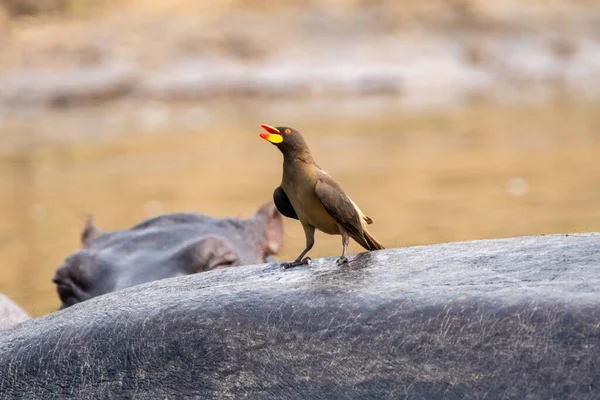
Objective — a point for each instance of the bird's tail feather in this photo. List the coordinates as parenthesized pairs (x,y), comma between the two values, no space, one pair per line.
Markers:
(367,241)
(373,243)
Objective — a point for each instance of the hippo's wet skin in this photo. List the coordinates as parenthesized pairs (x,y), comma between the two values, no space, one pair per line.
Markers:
(501,319)
(165,246)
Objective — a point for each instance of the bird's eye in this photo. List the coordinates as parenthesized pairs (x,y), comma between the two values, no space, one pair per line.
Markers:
(288,131)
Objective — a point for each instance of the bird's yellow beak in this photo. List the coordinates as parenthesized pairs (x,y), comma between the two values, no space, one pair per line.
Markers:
(274,136)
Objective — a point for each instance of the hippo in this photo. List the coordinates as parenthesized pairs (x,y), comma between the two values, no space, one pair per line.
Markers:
(10,313)
(514,318)
(165,246)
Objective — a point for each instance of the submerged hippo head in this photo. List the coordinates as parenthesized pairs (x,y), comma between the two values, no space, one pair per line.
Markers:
(165,246)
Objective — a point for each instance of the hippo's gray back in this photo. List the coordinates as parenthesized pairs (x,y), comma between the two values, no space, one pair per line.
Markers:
(504,319)
(10,313)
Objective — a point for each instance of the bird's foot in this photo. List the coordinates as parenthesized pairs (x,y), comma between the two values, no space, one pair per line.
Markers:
(304,261)
(342,260)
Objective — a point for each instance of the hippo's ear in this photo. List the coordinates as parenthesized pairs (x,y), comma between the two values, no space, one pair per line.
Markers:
(210,252)
(90,231)
(273,226)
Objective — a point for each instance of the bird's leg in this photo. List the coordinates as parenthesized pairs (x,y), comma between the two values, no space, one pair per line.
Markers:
(309,232)
(345,241)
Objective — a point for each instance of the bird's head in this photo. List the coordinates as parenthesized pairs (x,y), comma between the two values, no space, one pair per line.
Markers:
(287,139)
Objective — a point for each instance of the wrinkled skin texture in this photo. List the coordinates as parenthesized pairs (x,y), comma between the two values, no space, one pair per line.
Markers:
(163,247)
(501,319)
(10,313)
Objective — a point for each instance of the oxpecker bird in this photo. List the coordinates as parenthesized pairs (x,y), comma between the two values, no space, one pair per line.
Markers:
(310,195)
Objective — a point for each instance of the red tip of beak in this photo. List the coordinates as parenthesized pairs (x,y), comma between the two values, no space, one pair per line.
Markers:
(264,135)
(270,129)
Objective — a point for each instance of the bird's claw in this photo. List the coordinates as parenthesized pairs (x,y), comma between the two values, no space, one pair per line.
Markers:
(304,261)
(342,260)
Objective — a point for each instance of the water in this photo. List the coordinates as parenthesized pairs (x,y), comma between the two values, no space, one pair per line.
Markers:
(424,175)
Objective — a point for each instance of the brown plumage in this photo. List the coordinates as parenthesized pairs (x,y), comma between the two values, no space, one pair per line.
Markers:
(310,195)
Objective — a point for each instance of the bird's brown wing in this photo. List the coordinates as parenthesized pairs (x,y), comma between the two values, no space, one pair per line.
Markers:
(339,206)
(282,202)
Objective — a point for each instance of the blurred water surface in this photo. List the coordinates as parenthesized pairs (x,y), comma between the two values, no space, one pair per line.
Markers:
(458,172)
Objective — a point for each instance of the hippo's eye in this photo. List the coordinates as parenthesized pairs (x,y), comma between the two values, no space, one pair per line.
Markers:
(288,131)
